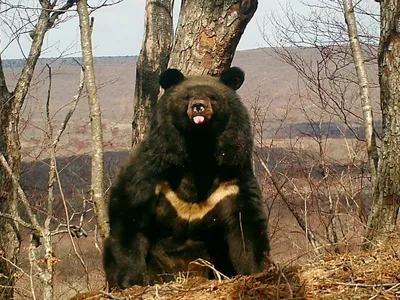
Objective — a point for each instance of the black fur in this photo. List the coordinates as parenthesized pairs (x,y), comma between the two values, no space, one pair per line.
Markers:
(170,77)
(233,77)
(149,236)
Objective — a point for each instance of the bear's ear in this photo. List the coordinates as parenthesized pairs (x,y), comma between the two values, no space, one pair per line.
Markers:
(170,77)
(233,77)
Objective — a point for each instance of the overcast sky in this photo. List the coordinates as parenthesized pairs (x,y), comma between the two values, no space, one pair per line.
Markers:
(118,30)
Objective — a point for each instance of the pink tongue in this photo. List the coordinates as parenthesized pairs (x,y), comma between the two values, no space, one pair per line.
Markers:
(198,119)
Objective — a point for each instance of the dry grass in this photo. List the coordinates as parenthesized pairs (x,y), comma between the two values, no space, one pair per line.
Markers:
(273,284)
(373,274)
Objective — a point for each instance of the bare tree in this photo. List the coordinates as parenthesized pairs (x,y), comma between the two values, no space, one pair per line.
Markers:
(205,42)
(386,200)
(9,237)
(97,181)
(43,229)
(325,67)
(316,45)
(365,91)
(208,33)
(11,104)
(153,59)
(384,171)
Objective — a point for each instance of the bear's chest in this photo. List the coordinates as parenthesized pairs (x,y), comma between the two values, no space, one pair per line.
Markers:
(176,215)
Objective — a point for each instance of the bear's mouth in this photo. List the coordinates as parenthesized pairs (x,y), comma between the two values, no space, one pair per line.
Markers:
(199,120)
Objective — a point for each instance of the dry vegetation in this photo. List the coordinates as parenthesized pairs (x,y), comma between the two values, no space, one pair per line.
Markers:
(356,275)
(371,274)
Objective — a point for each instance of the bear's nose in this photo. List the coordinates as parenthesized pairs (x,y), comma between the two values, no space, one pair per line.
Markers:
(198,106)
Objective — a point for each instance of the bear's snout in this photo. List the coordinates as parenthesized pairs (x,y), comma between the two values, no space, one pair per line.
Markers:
(200,110)
(199,106)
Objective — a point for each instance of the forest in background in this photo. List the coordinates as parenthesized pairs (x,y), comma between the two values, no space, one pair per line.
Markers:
(316,148)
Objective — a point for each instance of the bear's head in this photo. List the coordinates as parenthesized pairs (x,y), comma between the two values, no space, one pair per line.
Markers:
(202,114)
(199,102)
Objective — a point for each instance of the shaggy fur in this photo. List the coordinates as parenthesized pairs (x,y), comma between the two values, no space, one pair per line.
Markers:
(188,191)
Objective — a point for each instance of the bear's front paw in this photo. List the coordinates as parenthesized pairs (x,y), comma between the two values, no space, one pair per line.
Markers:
(130,277)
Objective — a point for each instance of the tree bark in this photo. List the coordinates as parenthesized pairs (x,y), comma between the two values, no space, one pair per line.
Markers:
(97,178)
(153,60)
(363,82)
(386,202)
(208,33)
(9,233)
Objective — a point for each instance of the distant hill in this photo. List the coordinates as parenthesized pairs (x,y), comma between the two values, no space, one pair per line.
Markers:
(71,61)
(272,88)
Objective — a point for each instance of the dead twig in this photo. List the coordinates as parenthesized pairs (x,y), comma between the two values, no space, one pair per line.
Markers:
(368,285)
(203,263)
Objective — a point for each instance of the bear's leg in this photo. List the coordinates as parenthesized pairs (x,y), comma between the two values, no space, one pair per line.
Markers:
(125,263)
(169,256)
(248,244)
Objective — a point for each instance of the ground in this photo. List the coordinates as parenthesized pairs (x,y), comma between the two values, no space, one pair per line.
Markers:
(372,274)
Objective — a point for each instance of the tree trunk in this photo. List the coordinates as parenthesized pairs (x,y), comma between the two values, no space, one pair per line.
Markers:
(363,82)
(208,33)
(9,234)
(153,60)
(386,201)
(205,43)
(97,178)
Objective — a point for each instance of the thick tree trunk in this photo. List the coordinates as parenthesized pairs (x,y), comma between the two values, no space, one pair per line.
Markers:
(153,60)
(205,43)
(363,82)
(208,33)
(386,203)
(97,178)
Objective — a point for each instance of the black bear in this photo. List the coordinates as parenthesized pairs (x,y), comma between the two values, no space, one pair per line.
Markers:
(188,191)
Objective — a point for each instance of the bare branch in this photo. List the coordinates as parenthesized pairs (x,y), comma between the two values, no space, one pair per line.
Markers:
(310,235)
(21,193)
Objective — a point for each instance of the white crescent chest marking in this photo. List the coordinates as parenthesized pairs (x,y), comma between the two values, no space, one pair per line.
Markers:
(196,211)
